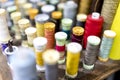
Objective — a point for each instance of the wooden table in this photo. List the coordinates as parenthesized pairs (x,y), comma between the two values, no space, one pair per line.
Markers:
(101,71)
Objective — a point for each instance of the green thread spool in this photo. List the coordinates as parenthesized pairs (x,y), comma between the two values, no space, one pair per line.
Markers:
(106,45)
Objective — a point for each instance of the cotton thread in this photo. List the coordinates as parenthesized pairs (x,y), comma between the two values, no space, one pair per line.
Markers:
(40,19)
(108,12)
(40,46)
(51,58)
(115,51)
(49,34)
(90,56)
(73,57)
(106,44)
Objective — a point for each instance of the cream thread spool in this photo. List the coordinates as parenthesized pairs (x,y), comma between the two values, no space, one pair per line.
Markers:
(4,32)
(40,20)
(51,58)
(16,16)
(27,7)
(106,44)
(31,35)
(39,45)
(23,24)
(73,57)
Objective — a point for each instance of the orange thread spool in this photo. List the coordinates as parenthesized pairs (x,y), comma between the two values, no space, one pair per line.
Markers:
(49,34)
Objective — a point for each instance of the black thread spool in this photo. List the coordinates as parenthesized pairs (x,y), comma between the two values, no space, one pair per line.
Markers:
(81,19)
(92,49)
(57,16)
(51,58)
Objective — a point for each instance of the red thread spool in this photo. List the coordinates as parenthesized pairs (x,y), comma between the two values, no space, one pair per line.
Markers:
(60,48)
(93,26)
(49,34)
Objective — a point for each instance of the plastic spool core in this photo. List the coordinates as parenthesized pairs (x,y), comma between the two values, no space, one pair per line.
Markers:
(30,30)
(81,17)
(95,15)
(48,8)
(60,35)
(41,17)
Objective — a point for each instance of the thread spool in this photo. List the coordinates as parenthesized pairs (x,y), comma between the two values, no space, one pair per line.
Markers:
(115,51)
(81,19)
(40,20)
(96,6)
(60,45)
(31,35)
(70,11)
(48,9)
(77,35)
(93,26)
(16,16)
(40,4)
(106,45)
(57,16)
(23,65)
(27,7)
(49,34)
(73,57)
(32,13)
(108,12)
(4,33)
(91,52)
(34,2)
(54,2)
(10,9)
(60,7)
(51,58)
(66,26)
(23,24)
(40,45)
(84,6)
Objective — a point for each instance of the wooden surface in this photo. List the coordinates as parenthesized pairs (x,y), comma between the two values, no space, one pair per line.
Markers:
(100,72)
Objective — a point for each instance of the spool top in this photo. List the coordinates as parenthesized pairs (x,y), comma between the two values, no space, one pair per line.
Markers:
(56,15)
(49,26)
(16,16)
(95,15)
(81,17)
(94,40)
(109,33)
(2,12)
(23,23)
(27,6)
(74,47)
(21,1)
(51,57)
(42,18)
(11,8)
(47,8)
(41,3)
(54,2)
(66,22)
(33,12)
(77,30)
(61,5)
(30,30)
(71,4)
(61,35)
(39,41)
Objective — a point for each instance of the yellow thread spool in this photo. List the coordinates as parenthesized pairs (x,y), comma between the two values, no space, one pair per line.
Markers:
(40,20)
(39,45)
(32,13)
(115,50)
(73,57)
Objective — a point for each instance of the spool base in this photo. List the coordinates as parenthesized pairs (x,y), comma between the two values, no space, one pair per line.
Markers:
(40,68)
(71,76)
(88,67)
(61,61)
(103,60)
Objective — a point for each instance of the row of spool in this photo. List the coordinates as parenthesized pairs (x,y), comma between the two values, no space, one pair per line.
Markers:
(91,28)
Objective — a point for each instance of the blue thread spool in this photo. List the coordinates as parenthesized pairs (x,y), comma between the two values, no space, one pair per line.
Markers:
(51,58)
(24,65)
(106,45)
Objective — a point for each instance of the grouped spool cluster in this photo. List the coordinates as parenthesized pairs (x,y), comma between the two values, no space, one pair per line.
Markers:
(57,35)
